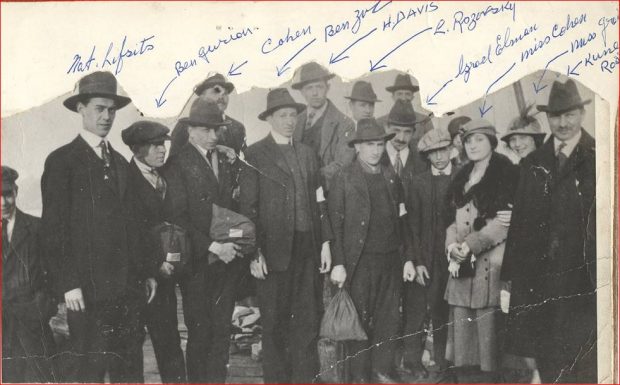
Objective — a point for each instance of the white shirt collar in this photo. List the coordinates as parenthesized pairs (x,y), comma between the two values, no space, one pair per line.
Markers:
(570,144)
(445,171)
(92,139)
(200,149)
(391,151)
(10,225)
(145,168)
(279,138)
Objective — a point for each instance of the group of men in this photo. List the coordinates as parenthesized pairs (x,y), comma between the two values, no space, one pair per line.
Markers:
(359,198)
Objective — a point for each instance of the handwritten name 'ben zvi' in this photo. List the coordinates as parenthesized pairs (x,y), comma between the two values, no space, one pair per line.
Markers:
(114,56)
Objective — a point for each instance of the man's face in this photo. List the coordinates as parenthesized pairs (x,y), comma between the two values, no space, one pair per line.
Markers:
(361,109)
(154,154)
(217,94)
(440,158)
(97,115)
(403,136)
(205,137)
(315,93)
(370,152)
(566,125)
(8,203)
(283,121)
(406,95)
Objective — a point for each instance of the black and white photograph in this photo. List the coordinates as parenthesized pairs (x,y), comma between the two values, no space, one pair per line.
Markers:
(365,192)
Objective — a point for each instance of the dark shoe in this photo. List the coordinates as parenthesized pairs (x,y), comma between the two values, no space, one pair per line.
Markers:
(382,378)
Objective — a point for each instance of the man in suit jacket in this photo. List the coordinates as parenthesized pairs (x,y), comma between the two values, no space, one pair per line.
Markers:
(216,89)
(280,193)
(198,177)
(146,141)
(322,126)
(405,161)
(27,304)
(92,241)
(372,252)
(550,255)
(427,207)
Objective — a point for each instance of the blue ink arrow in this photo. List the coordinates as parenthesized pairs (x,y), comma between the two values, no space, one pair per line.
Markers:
(571,71)
(233,70)
(285,67)
(335,59)
(160,102)
(484,109)
(429,101)
(537,87)
(376,66)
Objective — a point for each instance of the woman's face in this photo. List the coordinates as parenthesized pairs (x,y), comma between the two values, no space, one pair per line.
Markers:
(478,147)
(522,145)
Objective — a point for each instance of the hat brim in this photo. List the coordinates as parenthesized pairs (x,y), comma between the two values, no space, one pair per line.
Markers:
(298,86)
(72,101)
(385,138)
(228,86)
(403,124)
(298,106)
(351,98)
(506,136)
(392,89)
(189,122)
(434,147)
(545,108)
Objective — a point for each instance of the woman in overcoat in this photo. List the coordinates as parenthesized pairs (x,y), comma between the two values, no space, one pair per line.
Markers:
(480,197)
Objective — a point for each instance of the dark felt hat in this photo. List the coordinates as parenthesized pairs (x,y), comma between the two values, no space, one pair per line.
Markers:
(96,85)
(205,113)
(363,91)
(8,178)
(402,114)
(308,73)
(563,98)
(402,82)
(454,127)
(368,130)
(279,98)
(215,80)
(145,132)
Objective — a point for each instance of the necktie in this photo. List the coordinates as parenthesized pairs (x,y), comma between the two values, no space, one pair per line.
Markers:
(398,164)
(212,159)
(310,119)
(5,238)
(442,173)
(561,156)
(107,160)
(160,184)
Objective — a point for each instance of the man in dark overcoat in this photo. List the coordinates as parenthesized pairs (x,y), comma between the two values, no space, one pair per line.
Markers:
(282,194)
(92,243)
(146,141)
(372,252)
(27,302)
(550,256)
(198,177)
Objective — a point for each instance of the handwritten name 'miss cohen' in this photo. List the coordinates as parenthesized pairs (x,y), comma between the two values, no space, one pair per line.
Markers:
(113,57)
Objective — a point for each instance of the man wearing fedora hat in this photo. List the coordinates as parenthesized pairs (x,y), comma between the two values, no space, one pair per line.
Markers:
(322,126)
(371,249)
(553,234)
(362,101)
(281,193)
(146,140)
(198,176)
(404,89)
(92,241)
(215,88)
(27,303)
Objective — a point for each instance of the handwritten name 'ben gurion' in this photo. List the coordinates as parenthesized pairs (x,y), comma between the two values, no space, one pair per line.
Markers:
(113,58)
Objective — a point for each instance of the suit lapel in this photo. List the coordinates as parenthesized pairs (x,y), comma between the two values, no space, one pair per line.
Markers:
(359,182)
(204,167)
(301,161)
(328,130)
(301,126)
(578,156)
(121,170)
(273,152)
(391,178)
(20,231)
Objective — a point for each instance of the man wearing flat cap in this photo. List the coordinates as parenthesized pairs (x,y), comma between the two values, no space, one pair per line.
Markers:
(362,101)
(371,250)
(553,235)
(423,300)
(27,301)
(281,193)
(92,241)
(322,126)
(404,89)
(147,143)
(198,177)
(215,88)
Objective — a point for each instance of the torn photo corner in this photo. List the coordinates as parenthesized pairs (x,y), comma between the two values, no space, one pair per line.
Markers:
(493,123)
